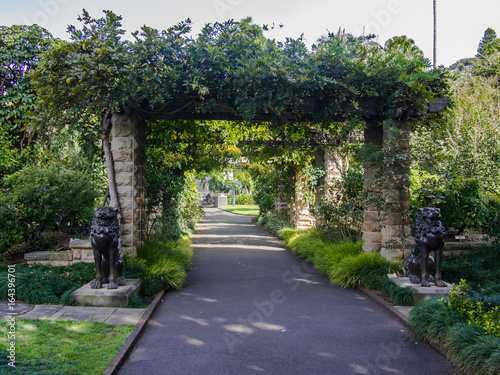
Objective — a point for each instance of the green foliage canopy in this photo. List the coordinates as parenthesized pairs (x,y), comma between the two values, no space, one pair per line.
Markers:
(233,63)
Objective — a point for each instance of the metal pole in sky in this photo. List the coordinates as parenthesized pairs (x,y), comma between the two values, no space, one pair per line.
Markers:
(435,35)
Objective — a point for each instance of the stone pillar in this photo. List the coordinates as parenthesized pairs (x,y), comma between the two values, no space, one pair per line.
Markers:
(329,159)
(372,235)
(396,189)
(299,215)
(385,214)
(128,145)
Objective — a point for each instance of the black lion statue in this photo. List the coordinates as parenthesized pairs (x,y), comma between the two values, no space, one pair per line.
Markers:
(104,235)
(429,237)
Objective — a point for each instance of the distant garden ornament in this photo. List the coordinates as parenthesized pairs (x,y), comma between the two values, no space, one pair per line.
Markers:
(429,237)
(104,234)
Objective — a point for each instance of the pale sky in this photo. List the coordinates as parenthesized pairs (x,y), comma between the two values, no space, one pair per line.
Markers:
(461,24)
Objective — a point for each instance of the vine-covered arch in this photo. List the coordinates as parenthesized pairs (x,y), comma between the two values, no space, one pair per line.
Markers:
(231,71)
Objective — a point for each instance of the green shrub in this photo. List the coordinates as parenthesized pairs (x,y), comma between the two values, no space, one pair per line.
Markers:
(42,198)
(160,265)
(377,279)
(464,202)
(266,203)
(345,263)
(52,198)
(287,233)
(472,352)
(330,254)
(244,199)
(173,198)
(475,313)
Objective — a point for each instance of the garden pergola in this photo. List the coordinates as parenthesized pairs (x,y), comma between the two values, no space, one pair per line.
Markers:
(382,224)
(231,71)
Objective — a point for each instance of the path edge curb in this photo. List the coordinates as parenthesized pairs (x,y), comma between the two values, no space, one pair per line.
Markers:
(391,310)
(386,306)
(127,347)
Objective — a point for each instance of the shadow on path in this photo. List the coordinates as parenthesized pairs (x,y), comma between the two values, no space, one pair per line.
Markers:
(252,307)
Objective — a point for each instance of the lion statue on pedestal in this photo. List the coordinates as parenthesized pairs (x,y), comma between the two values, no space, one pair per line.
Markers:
(104,236)
(429,237)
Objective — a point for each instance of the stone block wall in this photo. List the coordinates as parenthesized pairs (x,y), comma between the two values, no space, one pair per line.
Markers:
(386,223)
(128,141)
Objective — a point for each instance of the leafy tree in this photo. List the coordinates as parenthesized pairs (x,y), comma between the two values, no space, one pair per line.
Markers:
(20,50)
(487,42)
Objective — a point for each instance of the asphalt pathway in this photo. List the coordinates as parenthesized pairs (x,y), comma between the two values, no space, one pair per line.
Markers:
(252,307)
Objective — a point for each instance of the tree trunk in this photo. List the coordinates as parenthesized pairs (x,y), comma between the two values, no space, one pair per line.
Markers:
(108,156)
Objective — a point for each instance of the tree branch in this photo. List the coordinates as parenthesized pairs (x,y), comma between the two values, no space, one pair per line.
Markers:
(108,156)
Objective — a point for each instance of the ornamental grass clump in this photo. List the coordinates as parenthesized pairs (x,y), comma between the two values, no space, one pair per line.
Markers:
(160,265)
(346,272)
(345,263)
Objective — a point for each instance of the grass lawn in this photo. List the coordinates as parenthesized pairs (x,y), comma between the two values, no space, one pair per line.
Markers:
(243,209)
(61,347)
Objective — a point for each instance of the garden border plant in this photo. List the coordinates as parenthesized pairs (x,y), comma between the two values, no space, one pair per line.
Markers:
(345,264)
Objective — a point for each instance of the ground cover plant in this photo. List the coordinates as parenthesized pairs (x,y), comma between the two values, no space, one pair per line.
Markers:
(466,323)
(62,347)
(42,284)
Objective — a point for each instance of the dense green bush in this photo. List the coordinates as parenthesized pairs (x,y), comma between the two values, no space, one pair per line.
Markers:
(244,198)
(377,279)
(160,265)
(467,322)
(266,203)
(43,198)
(464,202)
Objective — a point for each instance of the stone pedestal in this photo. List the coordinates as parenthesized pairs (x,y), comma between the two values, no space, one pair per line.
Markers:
(104,297)
(220,201)
(421,293)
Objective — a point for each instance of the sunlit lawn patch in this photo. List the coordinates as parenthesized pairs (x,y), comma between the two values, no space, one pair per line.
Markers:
(243,209)
(61,347)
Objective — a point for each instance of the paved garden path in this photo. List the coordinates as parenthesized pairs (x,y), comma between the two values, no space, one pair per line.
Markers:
(252,307)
